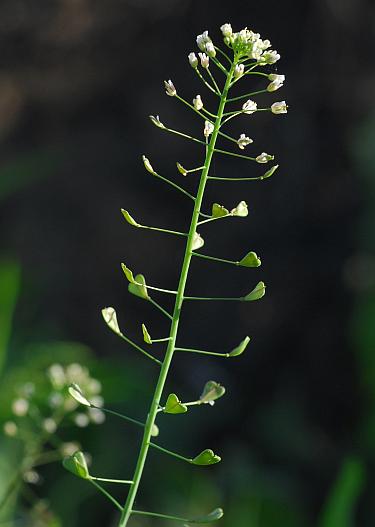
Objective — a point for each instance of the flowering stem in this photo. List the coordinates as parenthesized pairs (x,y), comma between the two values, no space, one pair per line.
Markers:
(245,96)
(206,83)
(224,54)
(184,135)
(177,187)
(155,404)
(235,155)
(220,66)
(213,81)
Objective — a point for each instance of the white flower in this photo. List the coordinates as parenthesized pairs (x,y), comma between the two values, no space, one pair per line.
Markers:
(227,30)
(208,128)
(97,401)
(243,141)
(193,60)
(10,428)
(169,88)
(20,407)
(277,82)
(156,121)
(210,49)
(49,425)
(69,448)
(263,158)
(148,167)
(81,420)
(202,40)
(31,476)
(55,400)
(205,61)
(249,107)
(56,374)
(96,416)
(269,57)
(279,107)
(94,386)
(198,103)
(238,71)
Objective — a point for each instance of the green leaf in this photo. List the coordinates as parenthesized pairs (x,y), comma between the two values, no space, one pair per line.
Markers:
(241,210)
(207,457)
(219,210)
(146,335)
(198,241)
(76,392)
(76,464)
(212,391)
(138,288)
(128,273)
(250,260)
(240,348)
(258,292)
(208,518)
(110,318)
(174,405)
(129,218)
(270,172)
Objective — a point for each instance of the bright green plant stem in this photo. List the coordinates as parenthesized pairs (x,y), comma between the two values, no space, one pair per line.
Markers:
(127,511)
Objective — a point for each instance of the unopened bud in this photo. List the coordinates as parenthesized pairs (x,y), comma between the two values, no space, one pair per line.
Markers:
(249,107)
(193,60)
(205,61)
(227,30)
(198,103)
(264,158)
(238,71)
(169,88)
(148,165)
(279,107)
(208,128)
(243,141)
(210,49)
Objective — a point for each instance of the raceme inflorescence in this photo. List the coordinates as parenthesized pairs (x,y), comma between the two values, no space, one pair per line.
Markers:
(247,57)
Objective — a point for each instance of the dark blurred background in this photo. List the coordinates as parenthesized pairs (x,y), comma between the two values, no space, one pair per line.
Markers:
(296,430)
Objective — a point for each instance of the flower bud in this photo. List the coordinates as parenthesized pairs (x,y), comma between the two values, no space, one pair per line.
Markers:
(169,88)
(205,61)
(264,158)
(10,428)
(226,30)
(156,121)
(20,407)
(249,107)
(269,57)
(238,71)
(208,128)
(277,82)
(181,169)
(243,141)
(279,107)
(202,40)
(148,165)
(193,60)
(210,49)
(198,103)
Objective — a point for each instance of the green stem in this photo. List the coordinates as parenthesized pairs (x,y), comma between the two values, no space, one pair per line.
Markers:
(145,445)
(174,185)
(170,453)
(160,308)
(226,298)
(202,352)
(107,494)
(159,229)
(139,348)
(247,95)
(159,515)
(205,82)
(106,480)
(214,258)
(122,416)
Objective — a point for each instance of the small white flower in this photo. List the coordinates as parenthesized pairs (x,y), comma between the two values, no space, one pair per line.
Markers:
(263,158)
(169,88)
(148,167)
(96,416)
(208,128)
(279,107)
(269,57)
(277,82)
(75,372)
(97,401)
(205,61)
(69,448)
(28,389)
(94,386)
(49,425)
(20,407)
(56,374)
(210,49)
(10,428)
(238,71)
(81,420)
(249,107)
(243,141)
(202,40)
(31,476)
(156,121)
(198,103)
(193,60)
(227,30)
(55,400)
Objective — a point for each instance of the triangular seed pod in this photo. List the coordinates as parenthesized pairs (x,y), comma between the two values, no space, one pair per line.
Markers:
(138,288)
(206,457)
(219,210)
(241,210)
(76,392)
(146,335)
(198,241)
(250,260)
(258,292)
(238,350)
(129,218)
(110,318)
(212,391)
(77,465)
(174,405)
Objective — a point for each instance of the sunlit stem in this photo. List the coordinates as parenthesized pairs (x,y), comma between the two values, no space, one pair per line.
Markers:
(139,348)
(268,174)
(202,352)
(181,134)
(159,229)
(206,83)
(235,155)
(213,81)
(174,185)
(169,452)
(191,106)
(214,219)
(168,291)
(219,65)
(229,299)
(228,136)
(106,480)
(224,54)
(160,515)
(122,416)
(251,94)
(165,339)
(107,494)
(215,259)
(160,308)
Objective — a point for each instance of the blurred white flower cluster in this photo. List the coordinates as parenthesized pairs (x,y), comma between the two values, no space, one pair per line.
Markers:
(247,44)
(43,408)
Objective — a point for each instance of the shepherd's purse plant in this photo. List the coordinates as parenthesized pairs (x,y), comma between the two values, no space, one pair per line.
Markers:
(247,58)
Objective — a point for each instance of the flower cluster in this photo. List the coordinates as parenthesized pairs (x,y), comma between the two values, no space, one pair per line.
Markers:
(247,44)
